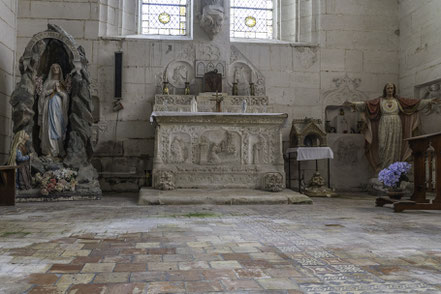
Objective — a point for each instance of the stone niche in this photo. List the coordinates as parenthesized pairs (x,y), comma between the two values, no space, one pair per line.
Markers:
(54,48)
(218,150)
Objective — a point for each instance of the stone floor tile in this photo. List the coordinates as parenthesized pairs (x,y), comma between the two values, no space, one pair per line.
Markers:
(148,276)
(86,259)
(66,268)
(236,256)
(98,267)
(76,253)
(87,289)
(126,288)
(130,267)
(162,266)
(148,245)
(42,279)
(177,257)
(166,287)
(237,285)
(250,273)
(104,278)
(227,264)
(118,259)
(185,266)
(278,284)
(203,286)
(45,290)
(75,279)
(218,274)
(185,275)
(147,258)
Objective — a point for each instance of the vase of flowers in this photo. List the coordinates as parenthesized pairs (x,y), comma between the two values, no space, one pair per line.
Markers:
(392,176)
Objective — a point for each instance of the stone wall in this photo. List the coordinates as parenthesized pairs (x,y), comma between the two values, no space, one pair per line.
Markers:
(8,29)
(357,39)
(420,58)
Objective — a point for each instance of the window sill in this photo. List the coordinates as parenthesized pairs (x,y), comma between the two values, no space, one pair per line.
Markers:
(149,37)
(273,41)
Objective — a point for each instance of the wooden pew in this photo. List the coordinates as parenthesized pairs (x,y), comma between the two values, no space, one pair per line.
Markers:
(7,185)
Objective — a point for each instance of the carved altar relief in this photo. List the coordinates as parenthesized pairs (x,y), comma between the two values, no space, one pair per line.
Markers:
(219,147)
(180,148)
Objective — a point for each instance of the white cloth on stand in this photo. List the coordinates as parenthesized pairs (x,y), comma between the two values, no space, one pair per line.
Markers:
(312,153)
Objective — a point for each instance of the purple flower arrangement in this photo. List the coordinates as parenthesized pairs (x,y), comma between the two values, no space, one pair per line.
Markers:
(393,175)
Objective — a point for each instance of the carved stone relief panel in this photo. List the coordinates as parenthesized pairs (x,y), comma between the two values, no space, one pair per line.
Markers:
(208,52)
(179,72)
(180,148)
(241,68)
(430,90)
(219,147)
(345,89)
(305,56)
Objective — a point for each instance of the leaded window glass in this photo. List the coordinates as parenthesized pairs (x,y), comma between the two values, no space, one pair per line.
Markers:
(164,17)
(252,19)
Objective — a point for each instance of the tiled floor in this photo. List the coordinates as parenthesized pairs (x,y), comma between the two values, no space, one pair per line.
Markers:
(338,245)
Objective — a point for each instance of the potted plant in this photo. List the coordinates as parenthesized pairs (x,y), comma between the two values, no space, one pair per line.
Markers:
(392,176)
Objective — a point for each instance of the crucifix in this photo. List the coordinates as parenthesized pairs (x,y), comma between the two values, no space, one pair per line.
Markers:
(218,98)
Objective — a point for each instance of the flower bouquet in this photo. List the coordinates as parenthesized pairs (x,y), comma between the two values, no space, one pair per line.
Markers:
(392,176)
(60,180)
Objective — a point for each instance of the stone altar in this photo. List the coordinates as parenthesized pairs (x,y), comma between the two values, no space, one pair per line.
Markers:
(208,149)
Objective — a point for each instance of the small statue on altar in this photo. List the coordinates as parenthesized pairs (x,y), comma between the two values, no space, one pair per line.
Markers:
(53,106)
(21,157)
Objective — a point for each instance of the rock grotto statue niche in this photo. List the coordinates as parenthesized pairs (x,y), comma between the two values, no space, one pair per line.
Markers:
(53,105)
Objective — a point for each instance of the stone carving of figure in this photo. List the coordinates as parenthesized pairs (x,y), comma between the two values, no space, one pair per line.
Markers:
(389,119)
(21,157)
(212,18)
(177,151)
(213,152)
(256,152)
(53,107)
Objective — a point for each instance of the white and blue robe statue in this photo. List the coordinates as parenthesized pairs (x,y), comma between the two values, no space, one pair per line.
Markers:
(53,107)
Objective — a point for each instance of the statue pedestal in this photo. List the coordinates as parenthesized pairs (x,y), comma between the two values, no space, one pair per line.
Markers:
(218,150)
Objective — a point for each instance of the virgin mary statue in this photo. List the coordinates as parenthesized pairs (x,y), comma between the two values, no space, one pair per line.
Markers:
(53,105)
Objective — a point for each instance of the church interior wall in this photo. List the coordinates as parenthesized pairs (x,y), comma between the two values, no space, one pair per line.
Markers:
(8,27)
(420,58)
(355,39)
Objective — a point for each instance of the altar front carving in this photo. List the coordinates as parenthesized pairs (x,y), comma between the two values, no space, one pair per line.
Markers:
(217,149)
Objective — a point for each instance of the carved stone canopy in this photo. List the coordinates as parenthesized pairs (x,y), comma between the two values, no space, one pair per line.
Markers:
(307,132)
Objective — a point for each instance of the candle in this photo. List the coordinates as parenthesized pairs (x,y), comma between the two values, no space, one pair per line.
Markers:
(186,76)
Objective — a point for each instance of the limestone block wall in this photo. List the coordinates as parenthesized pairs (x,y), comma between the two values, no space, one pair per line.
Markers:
(420,52)
(356,38)
(8,44)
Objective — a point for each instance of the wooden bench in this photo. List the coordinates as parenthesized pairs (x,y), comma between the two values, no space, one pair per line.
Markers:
(7,185)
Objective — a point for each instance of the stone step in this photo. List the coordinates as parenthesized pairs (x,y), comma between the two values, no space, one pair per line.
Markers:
(149,196)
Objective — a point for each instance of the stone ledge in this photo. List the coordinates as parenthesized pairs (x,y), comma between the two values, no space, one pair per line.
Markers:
(150,196)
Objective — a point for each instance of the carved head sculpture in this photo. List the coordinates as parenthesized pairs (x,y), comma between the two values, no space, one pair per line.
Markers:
(212,18)
(55,72)
(390,89)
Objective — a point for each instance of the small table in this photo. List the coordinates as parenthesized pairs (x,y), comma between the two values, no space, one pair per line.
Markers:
(7,185)
(309,153)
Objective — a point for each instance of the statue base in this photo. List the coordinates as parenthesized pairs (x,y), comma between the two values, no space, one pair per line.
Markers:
(34,195)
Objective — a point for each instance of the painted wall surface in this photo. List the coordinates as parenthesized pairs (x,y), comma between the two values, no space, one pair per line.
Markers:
(420,53)
(8,44)
(353,51)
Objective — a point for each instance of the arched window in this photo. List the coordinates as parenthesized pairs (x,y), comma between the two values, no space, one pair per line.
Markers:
(165,17)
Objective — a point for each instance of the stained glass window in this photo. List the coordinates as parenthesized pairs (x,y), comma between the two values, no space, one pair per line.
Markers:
(164,17)
(252,19)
